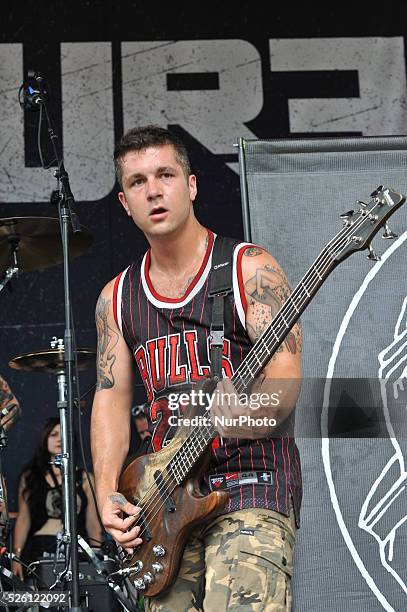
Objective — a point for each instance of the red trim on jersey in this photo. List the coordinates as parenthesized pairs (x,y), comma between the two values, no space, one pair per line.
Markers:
(265,469)
(131,304)
(115,289)
(198,275)
(240,275)
(289,467)
(139,306)
(283,451)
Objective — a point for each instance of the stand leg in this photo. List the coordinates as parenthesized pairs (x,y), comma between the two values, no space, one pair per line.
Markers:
(68,488)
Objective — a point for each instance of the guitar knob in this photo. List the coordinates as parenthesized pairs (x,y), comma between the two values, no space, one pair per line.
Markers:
(139,584)
(157,567)
(148,578)
(158,550)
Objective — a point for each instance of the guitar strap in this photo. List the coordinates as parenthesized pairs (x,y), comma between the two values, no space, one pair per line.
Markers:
(221,285)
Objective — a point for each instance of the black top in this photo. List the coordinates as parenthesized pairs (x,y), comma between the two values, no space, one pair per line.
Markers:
(45,502)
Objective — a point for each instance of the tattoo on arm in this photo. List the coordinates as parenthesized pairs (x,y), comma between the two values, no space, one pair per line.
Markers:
(267,291)
(253,251)
(107,340)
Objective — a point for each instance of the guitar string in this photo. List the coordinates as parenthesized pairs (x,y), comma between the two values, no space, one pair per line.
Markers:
(192,438)
(325,255)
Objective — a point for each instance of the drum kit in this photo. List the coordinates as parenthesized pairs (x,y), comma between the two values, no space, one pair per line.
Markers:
(29,244)
(34,243)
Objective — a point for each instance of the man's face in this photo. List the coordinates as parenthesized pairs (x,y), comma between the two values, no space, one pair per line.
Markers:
(156,193)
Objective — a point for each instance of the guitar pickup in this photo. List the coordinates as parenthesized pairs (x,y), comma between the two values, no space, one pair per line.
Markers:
(168,501)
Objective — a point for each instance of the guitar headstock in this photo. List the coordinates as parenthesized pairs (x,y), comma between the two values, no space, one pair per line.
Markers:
(362,225)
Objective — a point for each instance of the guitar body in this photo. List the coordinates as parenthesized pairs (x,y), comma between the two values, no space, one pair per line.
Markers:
(169,524)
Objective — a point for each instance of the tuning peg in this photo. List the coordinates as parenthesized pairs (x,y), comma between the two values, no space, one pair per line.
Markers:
(372,255)
(388,234)
(376,191)
(346,217)
(361,204)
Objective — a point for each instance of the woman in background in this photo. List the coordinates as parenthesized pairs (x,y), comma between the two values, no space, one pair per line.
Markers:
(40,502)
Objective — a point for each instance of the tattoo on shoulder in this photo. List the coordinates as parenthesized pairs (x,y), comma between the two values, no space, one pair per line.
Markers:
(267,291)
(253,251)
(107,340)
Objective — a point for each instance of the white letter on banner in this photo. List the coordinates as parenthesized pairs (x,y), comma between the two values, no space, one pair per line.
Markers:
(381,107)
(17,183)
(215,118)
(87,108)
(87,104)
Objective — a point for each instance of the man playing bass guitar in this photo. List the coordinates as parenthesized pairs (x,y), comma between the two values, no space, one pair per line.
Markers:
(157,312)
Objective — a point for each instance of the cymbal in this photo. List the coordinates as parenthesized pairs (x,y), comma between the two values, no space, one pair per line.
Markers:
(51,361)
(38,241)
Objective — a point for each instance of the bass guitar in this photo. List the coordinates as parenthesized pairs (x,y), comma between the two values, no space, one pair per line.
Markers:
(165,484)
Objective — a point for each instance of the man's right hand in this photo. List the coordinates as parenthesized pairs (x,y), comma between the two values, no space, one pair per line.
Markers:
(111,511)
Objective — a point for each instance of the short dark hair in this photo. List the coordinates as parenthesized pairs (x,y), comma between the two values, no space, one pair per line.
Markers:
(140,138)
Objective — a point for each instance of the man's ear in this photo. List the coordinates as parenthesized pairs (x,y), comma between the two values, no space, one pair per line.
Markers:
(123,202)
(192,187)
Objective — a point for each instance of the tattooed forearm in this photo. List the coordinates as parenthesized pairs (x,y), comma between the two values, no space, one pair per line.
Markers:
(107,340)
(267,291)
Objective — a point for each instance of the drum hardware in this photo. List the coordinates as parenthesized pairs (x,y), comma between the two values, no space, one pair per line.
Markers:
(51,361)
(95,592)
(4,515)
(127,597)
(34,243)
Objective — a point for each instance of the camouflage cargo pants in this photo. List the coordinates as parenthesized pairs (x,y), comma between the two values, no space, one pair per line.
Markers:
(239,562)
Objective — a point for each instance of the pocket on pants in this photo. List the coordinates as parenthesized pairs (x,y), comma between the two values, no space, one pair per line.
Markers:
(262,573)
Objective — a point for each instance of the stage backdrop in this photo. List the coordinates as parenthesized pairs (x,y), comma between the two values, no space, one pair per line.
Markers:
(351,415)
(214,77)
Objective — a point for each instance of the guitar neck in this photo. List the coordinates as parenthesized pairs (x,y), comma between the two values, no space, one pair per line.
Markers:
(200,437)
(355,235)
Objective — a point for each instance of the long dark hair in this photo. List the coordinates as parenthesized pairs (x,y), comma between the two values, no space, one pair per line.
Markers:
(34,472)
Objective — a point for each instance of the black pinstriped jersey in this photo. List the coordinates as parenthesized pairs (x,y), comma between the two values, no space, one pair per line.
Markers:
(169,339)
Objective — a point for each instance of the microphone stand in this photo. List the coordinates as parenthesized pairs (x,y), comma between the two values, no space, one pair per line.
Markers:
(67,216)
